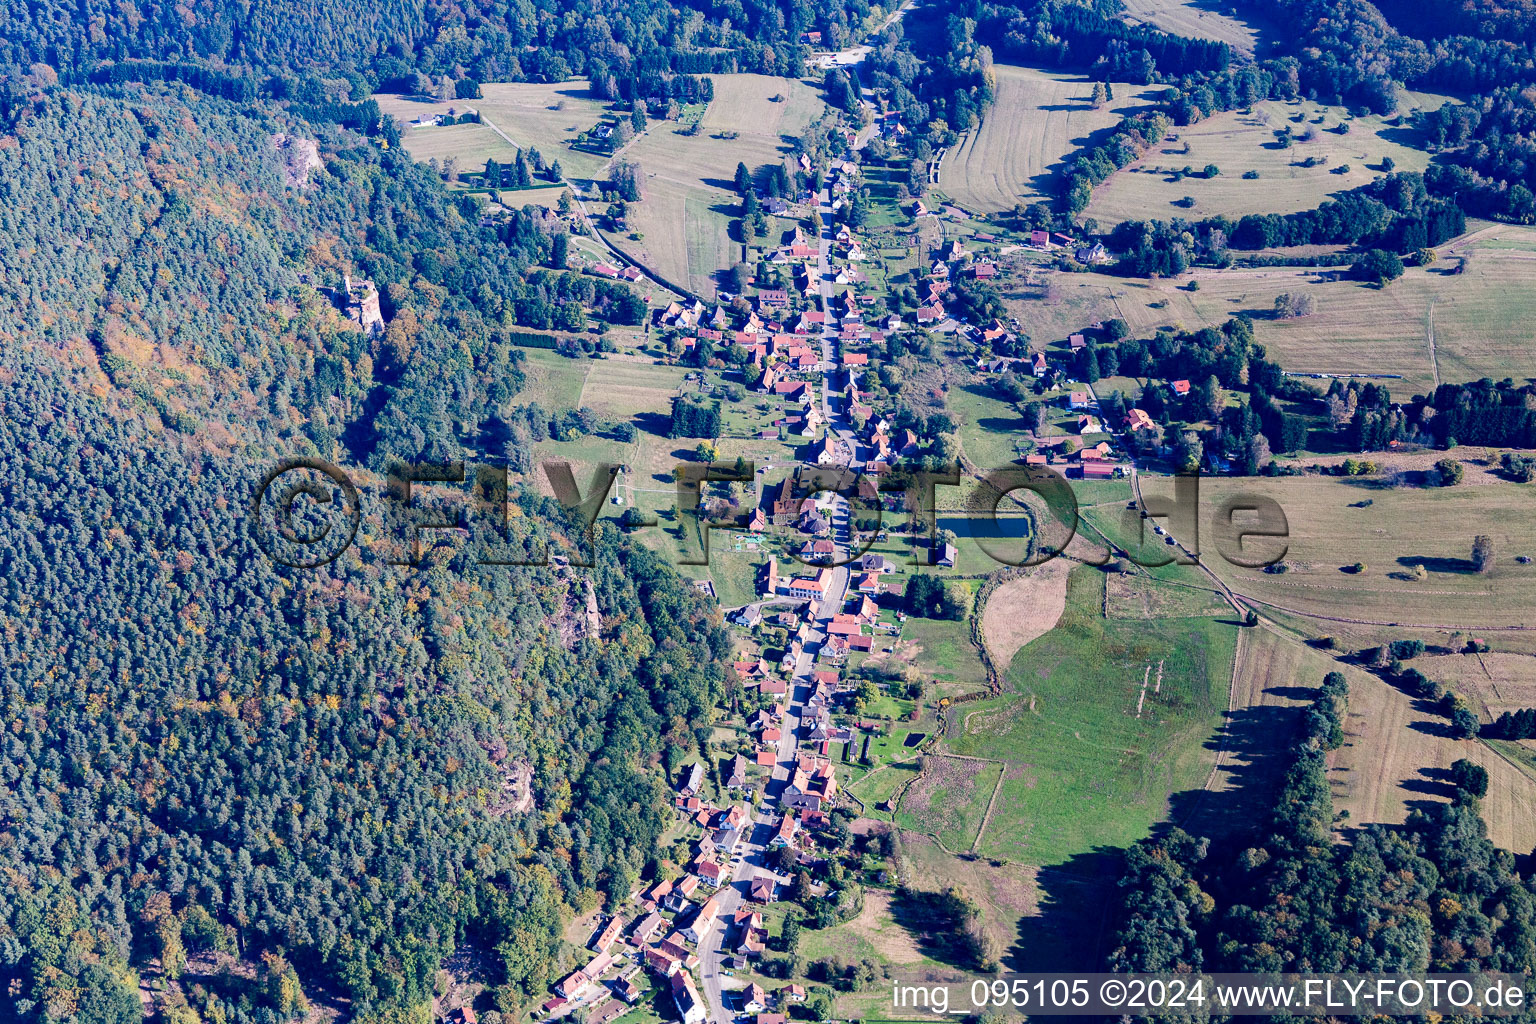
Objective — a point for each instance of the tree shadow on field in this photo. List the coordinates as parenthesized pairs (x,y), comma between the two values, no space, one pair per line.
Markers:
(657,423)
(1431,781)
(1293,692)
(1074,929)
(1048,181)
(1436,563)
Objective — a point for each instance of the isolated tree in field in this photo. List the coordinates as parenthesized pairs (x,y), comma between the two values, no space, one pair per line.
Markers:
(1378,267)
(1450,471)
(1294,304)
(1100,95)
(1211,170)
(1469,778)
(1482,553)
(743,179)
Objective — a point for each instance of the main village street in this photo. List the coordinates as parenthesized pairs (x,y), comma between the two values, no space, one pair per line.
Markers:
(753,860)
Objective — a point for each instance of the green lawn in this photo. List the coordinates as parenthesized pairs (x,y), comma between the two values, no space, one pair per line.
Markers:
(881,785)
(989,424)
(1084,770)
(554,381)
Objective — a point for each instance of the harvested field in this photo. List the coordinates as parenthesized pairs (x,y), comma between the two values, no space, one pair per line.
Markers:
(1336,523)
(1396,757)
(1037,120)
(1023,609)
(1492,682)
(1474,316)
(546,117)
(685,217)
(625,390)
(1275,680)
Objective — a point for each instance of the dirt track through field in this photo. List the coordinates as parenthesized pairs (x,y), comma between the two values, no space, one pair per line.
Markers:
(1024,609)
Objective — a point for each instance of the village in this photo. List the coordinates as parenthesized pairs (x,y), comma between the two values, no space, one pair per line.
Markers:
(829,595)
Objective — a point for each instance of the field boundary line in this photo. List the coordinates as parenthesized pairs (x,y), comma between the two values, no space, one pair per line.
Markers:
(586,218)
(987,817)
(1378,622)
(1239,652)
(1434,363)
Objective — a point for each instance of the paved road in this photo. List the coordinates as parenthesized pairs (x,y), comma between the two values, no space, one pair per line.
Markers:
(712,954)
(712,946)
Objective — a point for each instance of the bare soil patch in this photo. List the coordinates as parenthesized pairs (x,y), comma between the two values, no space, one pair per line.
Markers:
(1024,609)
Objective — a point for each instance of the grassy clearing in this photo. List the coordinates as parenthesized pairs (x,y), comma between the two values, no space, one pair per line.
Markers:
(989,426)
(685,217)
(942,651)
(546,117)
(1130,596)
(553,381)
(626,390)
(1399,529)
(1038,119)
(1084,769)
(1238,142)
(468,144)
(1198,19)
(881,786)
(1053,305)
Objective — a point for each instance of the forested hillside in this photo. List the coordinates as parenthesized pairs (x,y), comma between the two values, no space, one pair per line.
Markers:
(204,750)
(333,49)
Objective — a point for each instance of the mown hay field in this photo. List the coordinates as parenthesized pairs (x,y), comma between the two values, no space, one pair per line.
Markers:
(690,201)
(1196,19)
(1038,119)
(543,116)
(1474,301)
(1337,522)
(1395,756)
